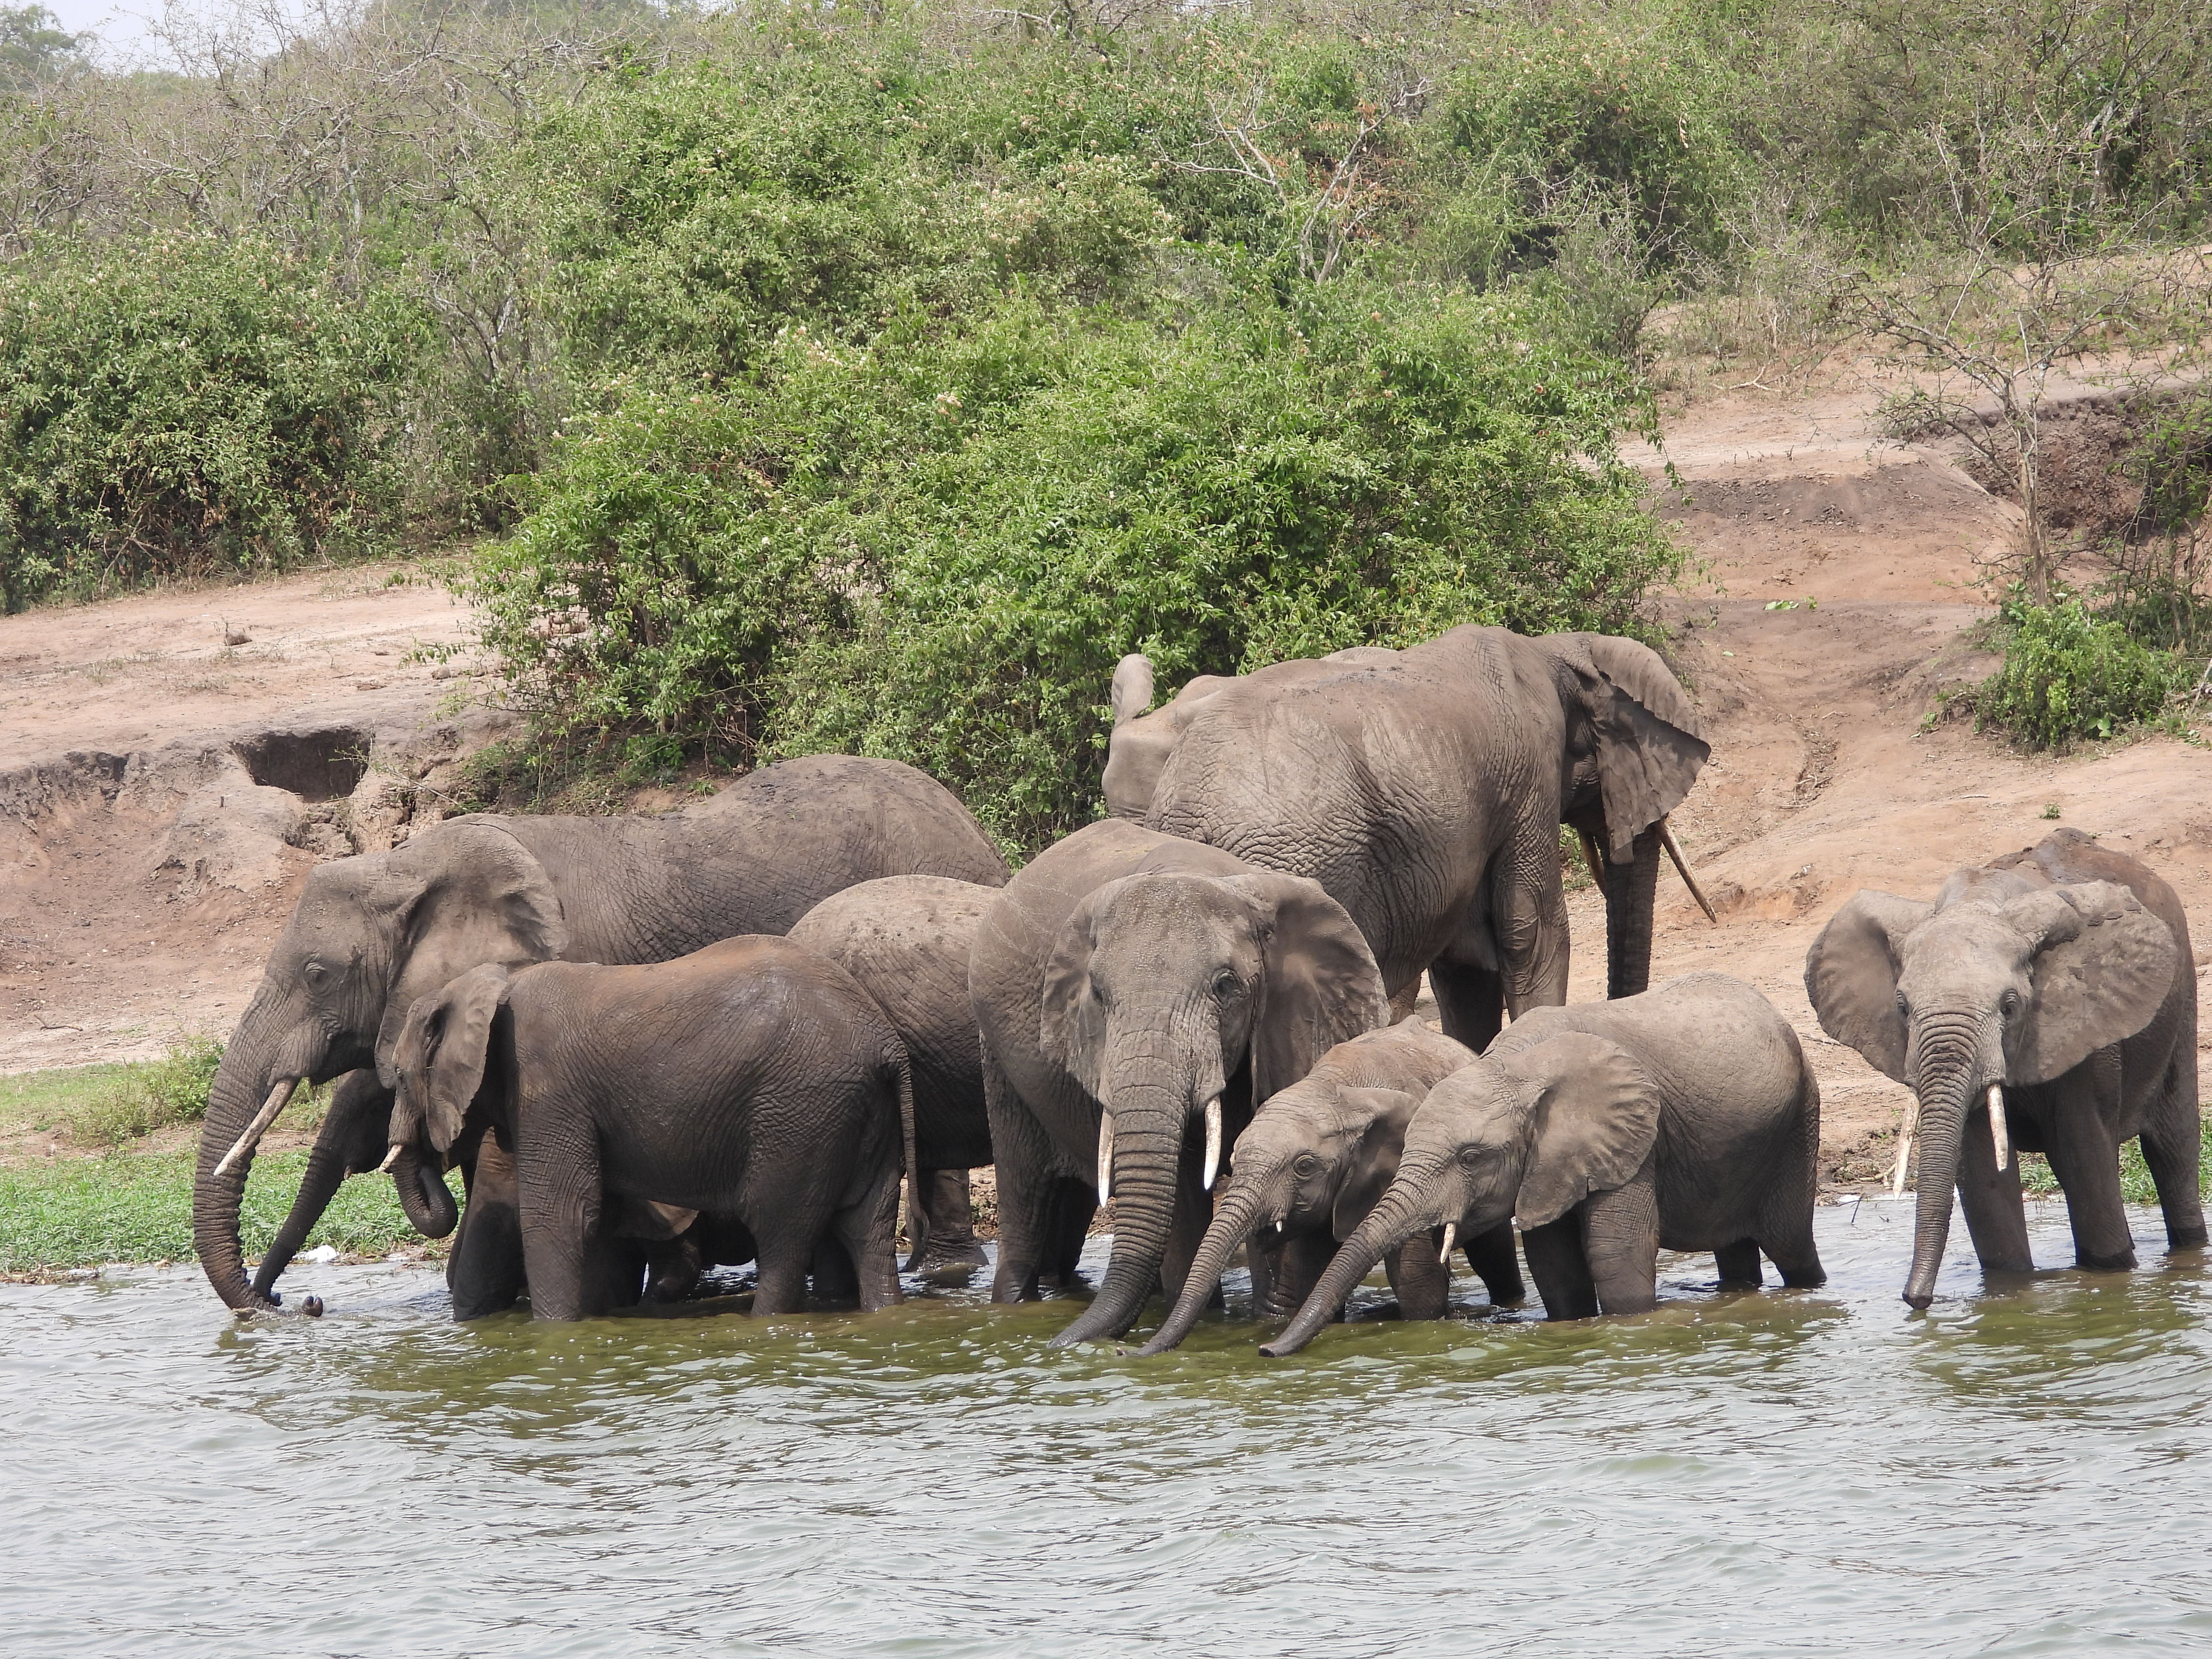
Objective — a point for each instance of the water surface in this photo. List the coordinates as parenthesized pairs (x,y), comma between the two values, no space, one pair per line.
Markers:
(1770,1474)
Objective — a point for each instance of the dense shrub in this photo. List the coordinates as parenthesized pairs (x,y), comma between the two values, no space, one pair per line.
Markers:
(2068,674)
(189,405)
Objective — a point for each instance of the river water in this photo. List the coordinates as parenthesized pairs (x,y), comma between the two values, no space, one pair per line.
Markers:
(1771,1473)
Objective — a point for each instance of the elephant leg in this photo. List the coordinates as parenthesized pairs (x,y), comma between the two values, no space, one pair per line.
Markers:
(1070,1209)
(1620,1240)
(1796,1258)
(943,1224)
(1996,1219)
(672,1269)
(614,1272)
(867,1234)
(1528,907)
(485,1271)
(1470,1002)
(1738,1264)
(2087,1161)
(1562,1272)
(1194,1212)
(1303,1258)
(1498,1264)
(2172,1144)
(1026,1183)
(1403,999)
(835,1273)
(1264,1257)
(351,1141)
(781,1287)
(558,1179)
(1422,1283)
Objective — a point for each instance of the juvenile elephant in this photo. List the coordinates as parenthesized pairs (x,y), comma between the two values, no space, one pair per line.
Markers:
(371,935)
(1138,996)
(1682,1119)
(1424,789)
(2045,1003)
(753,1082)
(1312,1164)
(907,939)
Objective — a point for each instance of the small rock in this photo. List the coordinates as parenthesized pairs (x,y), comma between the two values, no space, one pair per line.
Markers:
(319,1254)
(237,636)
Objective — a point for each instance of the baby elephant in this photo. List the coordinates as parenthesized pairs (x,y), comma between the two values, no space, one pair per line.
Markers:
(1312,1164)
(1683,1119)
(753,1082)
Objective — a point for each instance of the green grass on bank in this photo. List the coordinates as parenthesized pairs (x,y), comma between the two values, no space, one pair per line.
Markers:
(80,1213)
(2136,1184)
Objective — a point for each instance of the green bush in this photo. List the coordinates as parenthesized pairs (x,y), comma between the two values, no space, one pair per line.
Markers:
(2069,674)
(186,405)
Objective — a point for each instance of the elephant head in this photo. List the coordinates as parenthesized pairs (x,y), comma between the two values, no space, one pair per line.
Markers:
(1141,743)
(1526,1132)
(438,1061)
(2000,982)
(368,936)
(1162,990)
(1318,1154)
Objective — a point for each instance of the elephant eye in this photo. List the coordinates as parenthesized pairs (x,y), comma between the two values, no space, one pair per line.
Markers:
(1903,1007)
(2009,1004)
(1469,1156)
(1305,1166)
(1225,984)
(315,973)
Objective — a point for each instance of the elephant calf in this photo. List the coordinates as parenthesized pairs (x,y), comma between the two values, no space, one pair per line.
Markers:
(906,940)
(1311,1164)
(752,1082)
(1685,1119)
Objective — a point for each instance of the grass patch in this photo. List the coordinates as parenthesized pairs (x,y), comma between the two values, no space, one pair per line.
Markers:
(81,1212)
(109,1105)
(2136,1184)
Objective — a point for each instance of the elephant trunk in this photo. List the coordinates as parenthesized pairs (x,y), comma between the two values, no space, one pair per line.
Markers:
(1240,1213)
(1630,891)
(1147,1156)
(423,1194)
(326,1172)
(1400,1214)
(1945,1086)
(265,1056)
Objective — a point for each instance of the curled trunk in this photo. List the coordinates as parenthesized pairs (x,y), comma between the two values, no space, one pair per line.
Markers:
(1147,1153)
(423,1194)
(1235,1222)
(1388,1225)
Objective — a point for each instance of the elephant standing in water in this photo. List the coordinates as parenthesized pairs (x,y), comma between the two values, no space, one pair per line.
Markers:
(1138,996)
(371,935)
(2045,1003)
(1424,789)
(753,1085)
(1683,1119)
(1310,1166)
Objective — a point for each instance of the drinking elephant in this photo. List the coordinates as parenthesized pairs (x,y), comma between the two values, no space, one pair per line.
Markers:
(753,1082)
(1312,1162)
(371,935)
(1137,997)
(1424,789)
(907,940)
(1682,1119)
(2045,1003)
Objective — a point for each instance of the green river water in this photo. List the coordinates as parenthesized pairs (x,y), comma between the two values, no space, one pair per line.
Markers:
(1776,1473)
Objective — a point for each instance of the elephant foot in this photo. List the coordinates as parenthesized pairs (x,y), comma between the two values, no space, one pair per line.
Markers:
(2119,1262)
(948,1267)
(2187,1238)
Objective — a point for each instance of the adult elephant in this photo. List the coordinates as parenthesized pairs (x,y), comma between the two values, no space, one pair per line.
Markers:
(371,934)
(2043,1003)
(1138,996)
(1424,789)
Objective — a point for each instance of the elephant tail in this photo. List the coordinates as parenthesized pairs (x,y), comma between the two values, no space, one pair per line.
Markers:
(907,1164)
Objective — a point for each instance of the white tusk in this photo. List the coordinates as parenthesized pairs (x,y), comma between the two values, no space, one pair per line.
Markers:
(1904,1150)
(1213,1142)
(1105,1156)
(1998,1131)
(392,1158)
(1451,1234)
(259,1126)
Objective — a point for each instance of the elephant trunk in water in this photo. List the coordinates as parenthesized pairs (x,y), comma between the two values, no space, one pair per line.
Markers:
(1244,1209)
(1949,1055)
(274,1047)
(1630,891)
(1409,1206)
(1147,1155)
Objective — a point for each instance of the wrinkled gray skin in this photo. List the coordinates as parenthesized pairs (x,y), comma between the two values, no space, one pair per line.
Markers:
(1312,1164)
(371,935)
(752,1082)
(1147,975)
(1683,1119)
(907,939)
(2063,972)
(1424,789)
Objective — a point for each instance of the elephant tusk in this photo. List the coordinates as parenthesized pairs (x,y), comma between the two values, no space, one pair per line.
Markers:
(1998,1133)
(1213,1143)
(1682,868)
(1904,1150)
(1594,859)
(392,1158)
(1451,1235)
(259,1126)
(1105,1156)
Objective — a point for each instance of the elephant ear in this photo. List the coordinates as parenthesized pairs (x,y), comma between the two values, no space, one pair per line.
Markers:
(1850,975)
(1374,1157)
(1070,1023)
(1594,1116)
(1132,687)
(1320,986)
(439,1056)
(1650,739)
(467,893)
(2102,965)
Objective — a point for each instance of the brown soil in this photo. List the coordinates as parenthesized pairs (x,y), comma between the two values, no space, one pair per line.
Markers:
(1826,775)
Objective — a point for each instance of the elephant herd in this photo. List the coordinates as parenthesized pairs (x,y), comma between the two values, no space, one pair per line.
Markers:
(733,1033)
